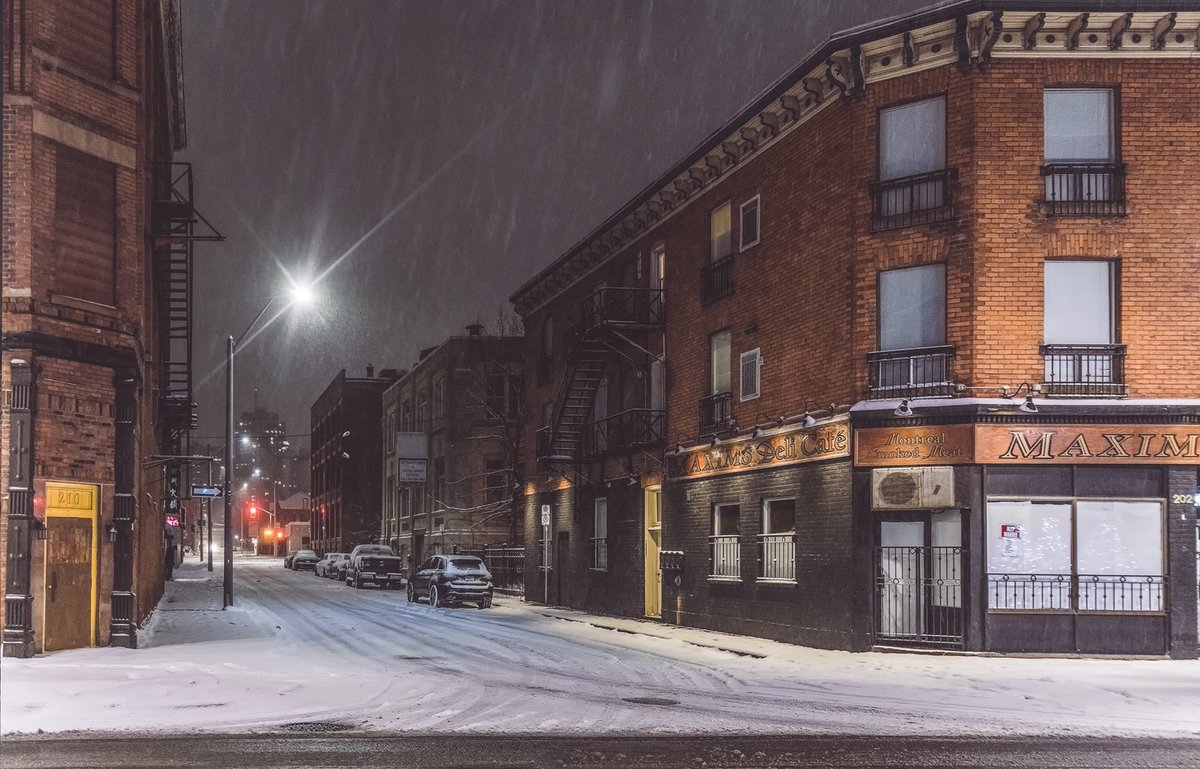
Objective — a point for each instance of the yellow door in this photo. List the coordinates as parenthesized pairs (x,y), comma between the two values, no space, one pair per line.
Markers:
(70,566)
(653,540)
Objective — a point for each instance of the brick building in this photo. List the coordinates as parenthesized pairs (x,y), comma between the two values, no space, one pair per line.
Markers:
(921,386)
(464,398)
(347,455)
(97,237)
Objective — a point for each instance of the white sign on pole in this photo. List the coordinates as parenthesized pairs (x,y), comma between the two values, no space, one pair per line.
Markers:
(545,515)
(412,450)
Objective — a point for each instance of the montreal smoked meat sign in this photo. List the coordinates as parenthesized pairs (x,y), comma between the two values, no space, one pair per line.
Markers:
(829,441)
(1028,444)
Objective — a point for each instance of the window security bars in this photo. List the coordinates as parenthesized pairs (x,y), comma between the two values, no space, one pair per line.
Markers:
(716,413)
(1084,189)
(778,556)
(628,430)
(716,280)
(725,557)
(1085,370)
(600,553)
(919,595)
(910,200)
(1080,593)
(924,371)
(623,307)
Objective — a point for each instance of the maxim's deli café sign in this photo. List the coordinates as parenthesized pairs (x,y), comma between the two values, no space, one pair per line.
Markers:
(812,444)
(994,444)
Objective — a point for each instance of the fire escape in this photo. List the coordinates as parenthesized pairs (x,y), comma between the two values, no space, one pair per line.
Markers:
(177,227)
(614,320)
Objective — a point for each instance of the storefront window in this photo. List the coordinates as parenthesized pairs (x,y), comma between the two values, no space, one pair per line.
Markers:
(1081,555)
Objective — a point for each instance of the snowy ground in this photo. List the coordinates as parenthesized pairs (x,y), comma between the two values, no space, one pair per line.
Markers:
(297,648)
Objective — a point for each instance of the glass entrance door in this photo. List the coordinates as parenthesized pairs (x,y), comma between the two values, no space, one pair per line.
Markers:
(919,565)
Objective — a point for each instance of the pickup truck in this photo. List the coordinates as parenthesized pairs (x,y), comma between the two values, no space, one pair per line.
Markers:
(374,563)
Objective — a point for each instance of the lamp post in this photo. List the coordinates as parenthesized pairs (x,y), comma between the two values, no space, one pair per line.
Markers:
(299,295)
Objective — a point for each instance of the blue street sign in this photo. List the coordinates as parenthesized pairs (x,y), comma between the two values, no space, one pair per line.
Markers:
(207,491)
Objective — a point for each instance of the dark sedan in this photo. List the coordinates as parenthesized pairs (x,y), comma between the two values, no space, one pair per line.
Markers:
(305,559)
(451,579)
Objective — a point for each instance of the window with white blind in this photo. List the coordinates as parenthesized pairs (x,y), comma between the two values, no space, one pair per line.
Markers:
(718,362)
(1078,125)
(1078,302)
(720,239)
(750,365)
(912,138)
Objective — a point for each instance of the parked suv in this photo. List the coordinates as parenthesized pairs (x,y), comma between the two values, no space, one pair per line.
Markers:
(448,579)
(374,563)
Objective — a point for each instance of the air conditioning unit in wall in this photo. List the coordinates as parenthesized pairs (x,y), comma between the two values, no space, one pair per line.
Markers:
(912,488)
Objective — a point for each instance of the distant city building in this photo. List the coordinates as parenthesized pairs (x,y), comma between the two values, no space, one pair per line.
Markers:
(347,439)
(464,396)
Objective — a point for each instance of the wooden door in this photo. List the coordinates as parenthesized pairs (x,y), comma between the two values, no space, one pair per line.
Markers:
(68,583)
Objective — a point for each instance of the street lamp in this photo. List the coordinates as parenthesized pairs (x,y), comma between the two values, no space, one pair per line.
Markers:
(299,294)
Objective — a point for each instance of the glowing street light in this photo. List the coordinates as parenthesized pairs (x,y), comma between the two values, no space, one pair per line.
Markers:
(298,294)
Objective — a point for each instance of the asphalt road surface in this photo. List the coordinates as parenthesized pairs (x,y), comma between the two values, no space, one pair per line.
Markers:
(444,752)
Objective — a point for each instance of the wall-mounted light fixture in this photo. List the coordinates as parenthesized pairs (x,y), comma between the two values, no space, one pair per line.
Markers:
(39,529)
(111,531)
(903,410)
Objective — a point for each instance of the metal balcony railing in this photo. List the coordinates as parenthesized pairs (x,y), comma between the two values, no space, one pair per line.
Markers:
(909,200)
(777,553)
(716,280)
(640,308)
(1084,189)
(725,557)
(600,553)
(1096,370)
(1078,592)
(631,429)
(920,372)
(716,413)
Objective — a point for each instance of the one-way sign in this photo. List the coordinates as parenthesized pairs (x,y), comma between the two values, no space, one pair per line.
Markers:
(207,491)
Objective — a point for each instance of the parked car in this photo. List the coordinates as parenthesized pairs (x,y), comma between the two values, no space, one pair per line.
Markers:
(287,560)
(304,559)
(374,563)
(337,567)
(451,579)
(322,567)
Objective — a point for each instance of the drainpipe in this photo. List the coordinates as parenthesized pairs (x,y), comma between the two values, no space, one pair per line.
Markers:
(18,600)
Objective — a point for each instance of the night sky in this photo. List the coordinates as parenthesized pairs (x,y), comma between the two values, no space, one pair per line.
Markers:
(486,137)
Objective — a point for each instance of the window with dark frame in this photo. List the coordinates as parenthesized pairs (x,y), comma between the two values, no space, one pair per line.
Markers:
(1082,171)
(495,481)
(600,534)
(1079,323)
(913,179)
(85,232)
(725,549)
(777,542)
(913,357)
(749,223)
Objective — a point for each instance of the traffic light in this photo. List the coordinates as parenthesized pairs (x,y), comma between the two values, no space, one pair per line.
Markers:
(253,513)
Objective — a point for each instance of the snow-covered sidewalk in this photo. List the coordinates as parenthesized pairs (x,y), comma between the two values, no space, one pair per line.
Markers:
(297,649)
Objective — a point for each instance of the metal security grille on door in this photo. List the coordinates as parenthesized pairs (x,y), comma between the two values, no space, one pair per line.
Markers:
(920,597)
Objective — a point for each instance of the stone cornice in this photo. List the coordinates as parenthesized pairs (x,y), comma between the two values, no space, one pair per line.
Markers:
(970,34)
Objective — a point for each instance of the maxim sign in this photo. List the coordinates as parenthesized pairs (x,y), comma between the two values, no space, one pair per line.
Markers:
(1028,444)
(812,444)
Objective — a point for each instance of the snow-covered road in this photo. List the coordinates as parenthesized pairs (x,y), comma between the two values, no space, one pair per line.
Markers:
(298,648)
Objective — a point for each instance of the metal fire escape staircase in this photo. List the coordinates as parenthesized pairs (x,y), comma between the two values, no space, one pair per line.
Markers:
(177,227)
(610,315)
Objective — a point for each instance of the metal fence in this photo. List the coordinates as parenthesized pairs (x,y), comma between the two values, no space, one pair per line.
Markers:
(726,556)
(716,413)
(507,565)
(716,280)
(1084,370)
(778,554)
(923,371)
(919,595)
(1080,592)
(912,200)
(1084,189)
